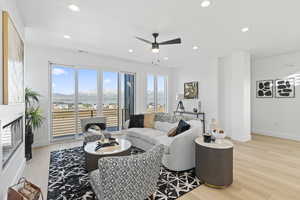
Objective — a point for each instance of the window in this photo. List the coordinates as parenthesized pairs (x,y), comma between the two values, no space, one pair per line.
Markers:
(87,94)
(110,100)
(161,94)
(156,94)
(79,93)
(150,94)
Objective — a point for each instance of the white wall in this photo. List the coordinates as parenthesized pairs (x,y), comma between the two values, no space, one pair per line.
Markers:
(37,76)
(276,117)
(14,169)
(205,71)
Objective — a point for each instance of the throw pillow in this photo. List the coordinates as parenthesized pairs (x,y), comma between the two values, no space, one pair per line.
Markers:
(182,126)
(136,121)
(172,132)
(149,120)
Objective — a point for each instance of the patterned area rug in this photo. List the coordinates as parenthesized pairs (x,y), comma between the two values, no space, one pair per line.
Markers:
(68,178)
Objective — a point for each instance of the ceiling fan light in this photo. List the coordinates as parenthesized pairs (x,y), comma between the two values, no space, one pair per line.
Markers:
(155,50)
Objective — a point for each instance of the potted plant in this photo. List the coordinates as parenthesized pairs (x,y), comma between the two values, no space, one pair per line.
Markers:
(33,119)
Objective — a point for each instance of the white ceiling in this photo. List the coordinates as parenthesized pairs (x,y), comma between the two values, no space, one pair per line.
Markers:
(108,27)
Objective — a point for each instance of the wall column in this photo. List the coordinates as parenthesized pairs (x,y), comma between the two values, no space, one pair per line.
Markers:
(234,95)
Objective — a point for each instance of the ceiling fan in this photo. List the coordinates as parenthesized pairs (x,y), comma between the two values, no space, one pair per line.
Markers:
(155,44)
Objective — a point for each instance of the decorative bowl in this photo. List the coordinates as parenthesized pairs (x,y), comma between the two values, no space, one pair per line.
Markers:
(218,134)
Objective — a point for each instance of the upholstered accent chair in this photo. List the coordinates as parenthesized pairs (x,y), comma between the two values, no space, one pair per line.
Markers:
(90,136)
(127,177)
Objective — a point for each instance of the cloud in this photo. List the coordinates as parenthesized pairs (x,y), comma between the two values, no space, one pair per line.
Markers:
(58,71)
(107,81)
(53,85)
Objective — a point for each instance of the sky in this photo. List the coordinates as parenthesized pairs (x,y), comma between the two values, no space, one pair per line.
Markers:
(63,80)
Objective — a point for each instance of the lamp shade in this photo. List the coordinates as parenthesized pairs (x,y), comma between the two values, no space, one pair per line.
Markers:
(179,97)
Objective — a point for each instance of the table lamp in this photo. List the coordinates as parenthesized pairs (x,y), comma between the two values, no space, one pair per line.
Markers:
(179,98)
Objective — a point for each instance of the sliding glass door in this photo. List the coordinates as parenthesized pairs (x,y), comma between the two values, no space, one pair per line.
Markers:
(110,100)
(126,96)
(87,94)
(63,102)
(118,98)
(82,93)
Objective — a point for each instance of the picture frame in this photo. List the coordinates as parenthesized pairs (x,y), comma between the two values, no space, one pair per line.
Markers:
(13,62)
(191,90)
(285,88)
(265,89)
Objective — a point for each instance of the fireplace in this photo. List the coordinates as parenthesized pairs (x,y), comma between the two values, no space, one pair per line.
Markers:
(11,139)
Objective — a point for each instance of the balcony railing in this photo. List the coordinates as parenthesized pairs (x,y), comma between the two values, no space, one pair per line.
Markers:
(63,122)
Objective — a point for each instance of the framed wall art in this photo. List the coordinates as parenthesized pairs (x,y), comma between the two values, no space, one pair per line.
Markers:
(13,62)
(285,88)
(264,89)
(191,90)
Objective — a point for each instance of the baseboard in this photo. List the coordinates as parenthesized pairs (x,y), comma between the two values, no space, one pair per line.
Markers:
(244,139)
(40,144)
(276,134)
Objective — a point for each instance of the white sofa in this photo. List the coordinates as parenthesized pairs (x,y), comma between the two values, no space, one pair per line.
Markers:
(179,152)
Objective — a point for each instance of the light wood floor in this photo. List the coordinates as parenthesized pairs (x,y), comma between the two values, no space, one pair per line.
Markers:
(265,168)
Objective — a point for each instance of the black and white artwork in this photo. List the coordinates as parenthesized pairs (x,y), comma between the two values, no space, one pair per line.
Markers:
(285,88)
(264,89)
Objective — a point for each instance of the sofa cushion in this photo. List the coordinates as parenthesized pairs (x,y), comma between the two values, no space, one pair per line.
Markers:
(148,135)
(182,126)
(146,131)
(136,121)
(149,120)
(151,136)
(164,126)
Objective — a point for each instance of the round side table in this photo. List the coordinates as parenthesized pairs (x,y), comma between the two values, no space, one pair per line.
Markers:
(214,163)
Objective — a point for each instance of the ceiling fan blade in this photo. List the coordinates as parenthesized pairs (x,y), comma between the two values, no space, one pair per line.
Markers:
(143,40)
(175,41)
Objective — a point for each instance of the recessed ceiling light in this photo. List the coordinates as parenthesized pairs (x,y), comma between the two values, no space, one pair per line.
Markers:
(166,58)
(195,47)
(205,4)
(130,50)
(67,37)
(245,29)
(74,8)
